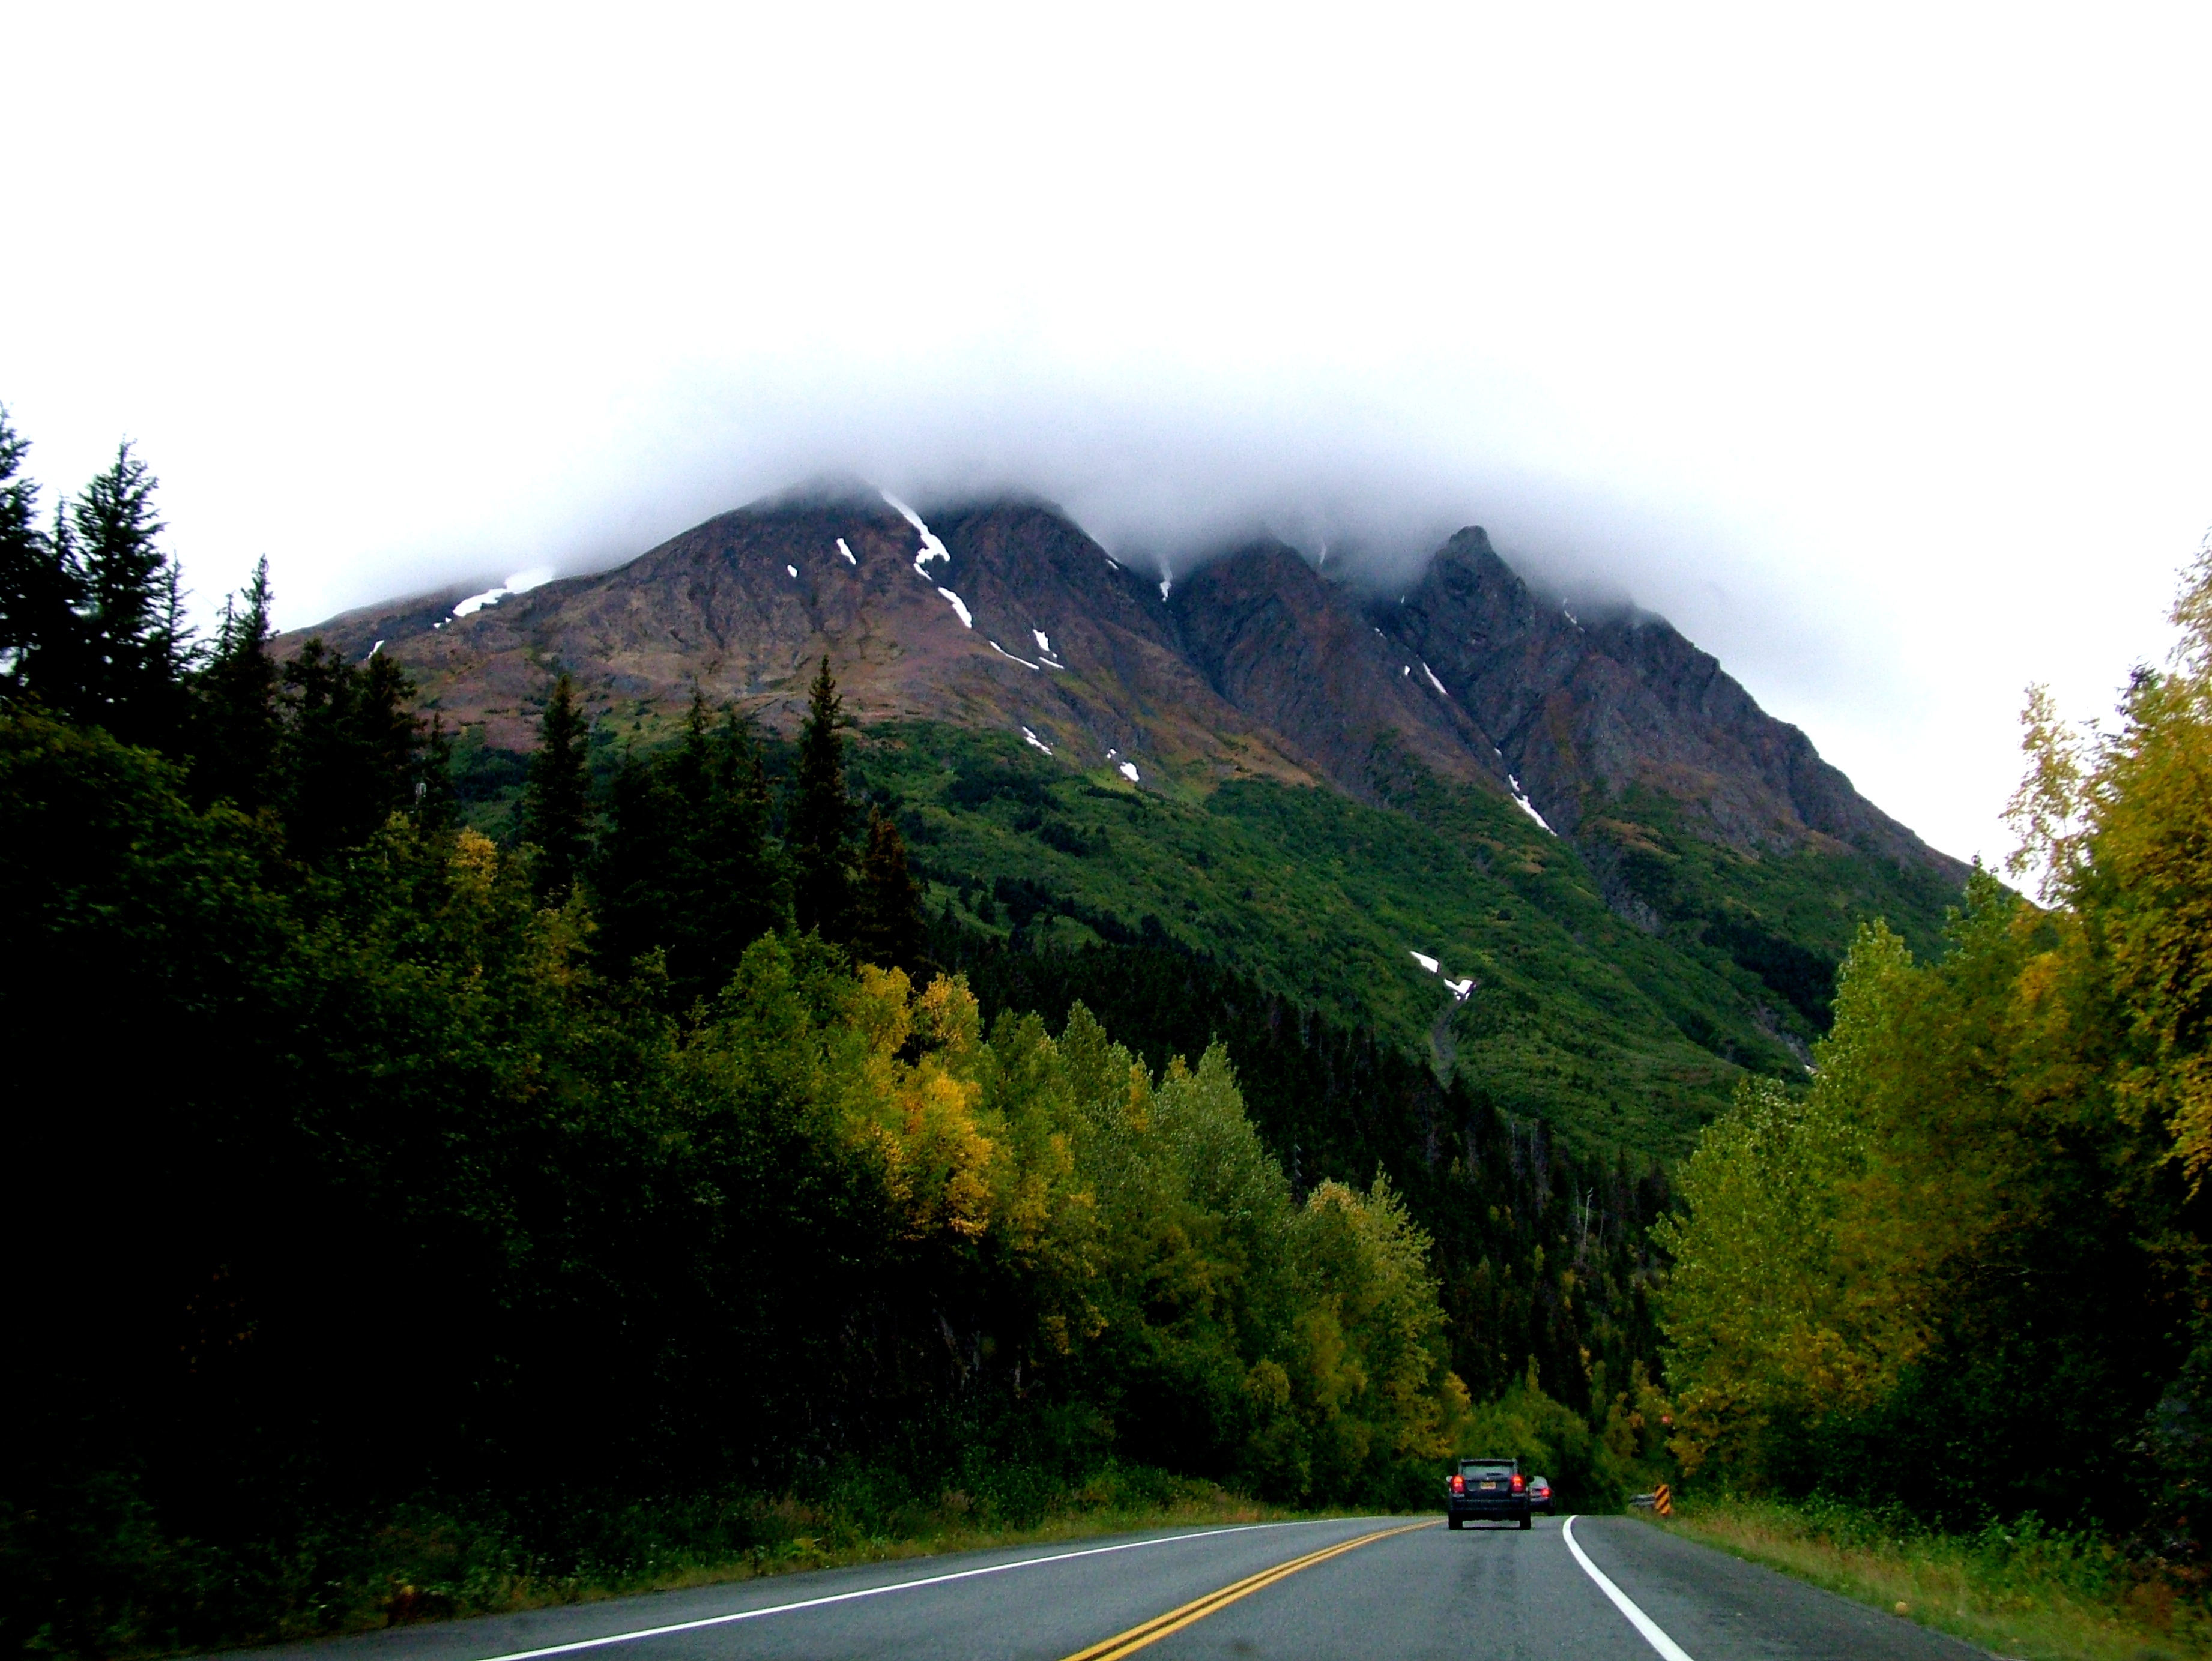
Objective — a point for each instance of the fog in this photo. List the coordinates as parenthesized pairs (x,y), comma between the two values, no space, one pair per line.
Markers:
(1867,347)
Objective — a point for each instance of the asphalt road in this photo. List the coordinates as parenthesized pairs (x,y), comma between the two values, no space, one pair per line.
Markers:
(1356,1587)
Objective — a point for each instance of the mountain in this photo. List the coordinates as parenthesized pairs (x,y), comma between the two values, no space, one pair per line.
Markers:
(1569,857)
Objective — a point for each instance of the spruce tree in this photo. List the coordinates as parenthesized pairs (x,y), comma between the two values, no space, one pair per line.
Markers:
(236,721)
(40,632)
(888,928)
(349,756)
(635,888)
(685,865)
(816,818)
(556,803)
(437,805)
(138,648)
(749,869)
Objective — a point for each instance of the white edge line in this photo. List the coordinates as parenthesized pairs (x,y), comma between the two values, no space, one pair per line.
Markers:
(1637,1618)
(903,1585)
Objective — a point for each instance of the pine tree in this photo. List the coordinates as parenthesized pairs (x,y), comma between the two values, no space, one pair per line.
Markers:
(138,649)
(40,633)
(236,720)
(816,821)
(888,928)
(556,803)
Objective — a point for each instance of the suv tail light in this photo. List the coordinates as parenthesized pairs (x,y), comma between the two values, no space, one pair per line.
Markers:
(1459,1484)
(1519,1481)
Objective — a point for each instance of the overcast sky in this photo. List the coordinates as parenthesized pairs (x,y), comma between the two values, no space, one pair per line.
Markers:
(1869,345)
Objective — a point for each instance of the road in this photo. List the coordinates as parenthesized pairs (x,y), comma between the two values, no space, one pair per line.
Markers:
(1392,1586)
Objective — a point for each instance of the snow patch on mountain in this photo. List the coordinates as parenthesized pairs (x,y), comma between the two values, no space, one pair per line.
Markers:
(931,548)
(1525,804)
(522,583)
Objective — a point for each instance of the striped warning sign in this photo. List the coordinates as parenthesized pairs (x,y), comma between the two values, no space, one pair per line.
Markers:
(1662,1500)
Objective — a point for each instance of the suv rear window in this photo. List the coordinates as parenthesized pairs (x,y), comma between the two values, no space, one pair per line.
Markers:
(1484,1467)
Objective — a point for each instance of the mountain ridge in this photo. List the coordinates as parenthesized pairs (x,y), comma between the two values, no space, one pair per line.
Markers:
(1007,614)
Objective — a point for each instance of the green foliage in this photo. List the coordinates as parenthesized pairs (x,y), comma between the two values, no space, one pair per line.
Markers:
(135,650)
(1541,1250)
(887,921)
(2022,1586)
(39,591)
(1590,1468)
(1976,1238)
(823,1216)
(1617,1037)
(349,750)
(817,820)
(686,867)
(90,621)
(556,806)
(237,720)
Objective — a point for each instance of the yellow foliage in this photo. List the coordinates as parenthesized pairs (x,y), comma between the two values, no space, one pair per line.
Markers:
(1826,1230)
(923,1117)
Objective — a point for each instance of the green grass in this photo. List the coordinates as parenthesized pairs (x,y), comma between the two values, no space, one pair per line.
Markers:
(2021,1589)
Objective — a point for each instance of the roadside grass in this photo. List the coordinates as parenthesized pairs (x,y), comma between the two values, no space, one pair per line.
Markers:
(432,1563)
(2019,1589)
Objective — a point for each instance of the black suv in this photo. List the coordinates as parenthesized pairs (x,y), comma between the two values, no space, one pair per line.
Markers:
(1494,1489)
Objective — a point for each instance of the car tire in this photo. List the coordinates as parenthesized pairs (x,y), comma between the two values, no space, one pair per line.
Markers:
(1526,1521)
(1452,1522)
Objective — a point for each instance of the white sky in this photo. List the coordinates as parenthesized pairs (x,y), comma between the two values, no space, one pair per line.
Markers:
(1870,344)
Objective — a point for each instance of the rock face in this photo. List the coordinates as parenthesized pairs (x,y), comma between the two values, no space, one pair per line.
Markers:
(1581,709)
(1006,615)
(1295,653)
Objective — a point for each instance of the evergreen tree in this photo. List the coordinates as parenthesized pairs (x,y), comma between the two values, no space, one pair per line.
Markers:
(437,806)
(351,752)
(888,928)
(236,719)
(685,865)
(556,803)
(137,647)
(40,633)
(749,870)
(816,821)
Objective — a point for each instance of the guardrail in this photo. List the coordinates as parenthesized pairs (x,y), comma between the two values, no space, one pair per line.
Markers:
(1661,1499)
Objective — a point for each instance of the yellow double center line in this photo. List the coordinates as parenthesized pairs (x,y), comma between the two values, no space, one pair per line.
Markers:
(1159,1626)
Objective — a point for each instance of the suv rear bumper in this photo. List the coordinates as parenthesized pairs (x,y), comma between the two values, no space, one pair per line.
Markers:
(1498,1510)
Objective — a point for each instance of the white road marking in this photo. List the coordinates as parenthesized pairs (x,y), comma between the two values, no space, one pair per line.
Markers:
(1637,1618)
(896,1585)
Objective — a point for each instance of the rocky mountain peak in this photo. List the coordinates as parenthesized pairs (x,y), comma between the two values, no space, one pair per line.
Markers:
(1006,615)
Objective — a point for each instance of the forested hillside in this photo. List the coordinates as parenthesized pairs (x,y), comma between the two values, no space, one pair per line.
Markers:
(1324,788)
(377,1178)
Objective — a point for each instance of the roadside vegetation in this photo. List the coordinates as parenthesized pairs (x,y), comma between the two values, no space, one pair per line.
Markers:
(427,1560)
(1963,1275)
(2020,1588)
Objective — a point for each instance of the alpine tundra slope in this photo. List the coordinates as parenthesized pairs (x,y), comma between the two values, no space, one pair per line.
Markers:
(1597,1589)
